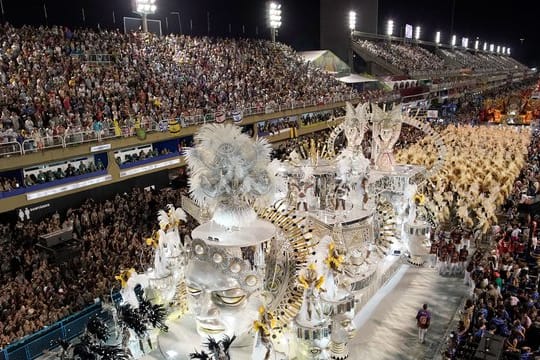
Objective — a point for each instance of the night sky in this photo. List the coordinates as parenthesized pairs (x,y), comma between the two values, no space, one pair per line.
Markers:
(487,19)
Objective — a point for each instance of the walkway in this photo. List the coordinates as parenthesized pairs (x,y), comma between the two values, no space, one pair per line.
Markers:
(387,325)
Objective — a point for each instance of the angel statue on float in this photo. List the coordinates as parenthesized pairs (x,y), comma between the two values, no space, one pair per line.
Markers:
(354,127)
(386,130)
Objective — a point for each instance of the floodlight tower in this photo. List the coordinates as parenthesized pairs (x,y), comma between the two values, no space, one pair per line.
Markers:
(352,21)
(274,18)
(390,28)
(145,8)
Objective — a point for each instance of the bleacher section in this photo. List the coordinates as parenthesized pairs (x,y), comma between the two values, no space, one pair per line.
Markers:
(413,59)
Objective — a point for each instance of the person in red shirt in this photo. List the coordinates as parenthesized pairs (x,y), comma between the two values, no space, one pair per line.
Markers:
(443,258)
(423,321)
(463,255)
(433,251)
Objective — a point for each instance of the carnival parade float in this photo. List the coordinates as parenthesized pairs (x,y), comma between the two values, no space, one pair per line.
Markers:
(285,253)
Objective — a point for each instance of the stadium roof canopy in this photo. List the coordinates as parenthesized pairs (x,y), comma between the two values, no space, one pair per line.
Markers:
(326,61)
(355,78)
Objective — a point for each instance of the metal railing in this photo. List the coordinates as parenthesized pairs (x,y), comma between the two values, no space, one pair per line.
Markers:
(36,344)
(35,144)
(10,148)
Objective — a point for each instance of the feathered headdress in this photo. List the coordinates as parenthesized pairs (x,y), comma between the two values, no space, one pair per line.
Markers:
(229,171)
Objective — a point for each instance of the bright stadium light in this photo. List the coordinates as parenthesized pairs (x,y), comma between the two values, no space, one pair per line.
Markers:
(485,46)
(390,27)
(498,49)
(417,31)
(504,50)
(454,37)
(508,51)
(491,47)
(274,18)
(438,37)
(476,44)
(352,20)
(465,42)
(145,8)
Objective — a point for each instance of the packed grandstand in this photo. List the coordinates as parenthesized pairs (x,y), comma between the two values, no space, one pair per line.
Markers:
(60,87)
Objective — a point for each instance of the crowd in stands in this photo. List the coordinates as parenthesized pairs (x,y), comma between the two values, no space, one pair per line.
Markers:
(36,291)
(503,278)
(59,173)
(8,184)
(49,89)
(275,126)
(141,155)
(412,58)
(314,118)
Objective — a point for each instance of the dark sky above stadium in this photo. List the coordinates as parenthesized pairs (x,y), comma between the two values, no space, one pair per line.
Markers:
(500,22)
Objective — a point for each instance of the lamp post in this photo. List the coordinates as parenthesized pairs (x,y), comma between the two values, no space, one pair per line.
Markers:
(417,31)
(177,13)
(274,18)
(437,38)
(144,8)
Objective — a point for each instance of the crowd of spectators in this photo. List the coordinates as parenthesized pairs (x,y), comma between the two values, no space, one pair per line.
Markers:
(36,291)
(49,89)
(314,118)
(413,58)
(141,155)
(403,56)
(8,184)
(275,126)
(72,169)
(503,278)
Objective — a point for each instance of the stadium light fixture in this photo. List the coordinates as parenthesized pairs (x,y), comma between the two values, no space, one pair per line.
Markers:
(274,18)
(453,43)
(476,44)
(390,27)
(465,42)
(438,37)
(504,50)
(417,31)
(491,47)
(485,46)
(498,49)
(352,20)
(145,8)
(508,51)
